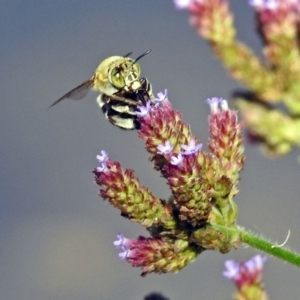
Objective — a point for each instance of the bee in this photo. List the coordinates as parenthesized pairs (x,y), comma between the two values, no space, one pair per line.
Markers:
(121,88)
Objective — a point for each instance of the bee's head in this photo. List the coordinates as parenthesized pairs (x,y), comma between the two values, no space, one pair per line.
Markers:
(126,72)
(116,73)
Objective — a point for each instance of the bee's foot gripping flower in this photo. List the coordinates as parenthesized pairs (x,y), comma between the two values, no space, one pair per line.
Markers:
(247,277)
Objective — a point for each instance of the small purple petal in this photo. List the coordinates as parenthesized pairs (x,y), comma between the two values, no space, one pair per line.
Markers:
(213,103)
(161,96)
(102,157)
(192,148)
(213,100)
(255,3)
(164,148)
(124,254)
(233,269)
(182,4)
(102,168)
(264,4)
(120,241)
(256,263)
(176,160)
(144,110)
(224,104)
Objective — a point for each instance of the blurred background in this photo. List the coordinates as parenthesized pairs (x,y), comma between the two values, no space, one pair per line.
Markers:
(56,233)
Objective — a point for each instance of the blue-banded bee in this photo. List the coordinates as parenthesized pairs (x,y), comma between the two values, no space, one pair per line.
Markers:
(121,88)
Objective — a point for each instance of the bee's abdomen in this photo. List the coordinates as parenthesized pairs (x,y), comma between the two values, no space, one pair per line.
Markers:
(118,113)
(121,113)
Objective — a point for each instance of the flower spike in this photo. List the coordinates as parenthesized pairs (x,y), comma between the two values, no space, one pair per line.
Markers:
(203,186)
(247,277)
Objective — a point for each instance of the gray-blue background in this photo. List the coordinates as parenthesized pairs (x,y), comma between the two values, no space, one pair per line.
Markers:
(55,232)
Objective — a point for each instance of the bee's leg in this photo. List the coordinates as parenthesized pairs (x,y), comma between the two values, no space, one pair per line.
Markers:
(123,99)
(145,92)
(124,109)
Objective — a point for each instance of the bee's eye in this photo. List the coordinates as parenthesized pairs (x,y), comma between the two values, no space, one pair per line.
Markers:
(136,70)
(116,78)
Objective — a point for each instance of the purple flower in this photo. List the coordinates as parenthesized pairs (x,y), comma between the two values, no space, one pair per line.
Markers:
(161,96)
(264,4)
(256,263)
(232,269)
(103,156)
(245,273)
(164,148)
(213,103)
(124,254)
(176,160)
(224,104)
(144,110)
(120,242)
(256,3)
(183,4)
(102,168)
(192,148)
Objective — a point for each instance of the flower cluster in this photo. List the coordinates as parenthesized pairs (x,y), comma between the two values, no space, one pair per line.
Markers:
(247,277)
(203,185)
(276,81)
(123,190)
(155,255)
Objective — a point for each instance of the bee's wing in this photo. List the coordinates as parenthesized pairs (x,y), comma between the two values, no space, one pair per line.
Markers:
(77,93)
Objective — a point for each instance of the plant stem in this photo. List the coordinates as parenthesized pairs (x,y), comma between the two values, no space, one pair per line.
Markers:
(259,243)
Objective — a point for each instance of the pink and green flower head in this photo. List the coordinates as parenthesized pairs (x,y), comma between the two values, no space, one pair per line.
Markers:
(246,273)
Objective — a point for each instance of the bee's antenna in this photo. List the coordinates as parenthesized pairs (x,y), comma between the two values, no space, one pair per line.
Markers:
(144,54)
(128,54)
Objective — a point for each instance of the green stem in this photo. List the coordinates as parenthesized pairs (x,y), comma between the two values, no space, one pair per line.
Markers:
(261,244)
